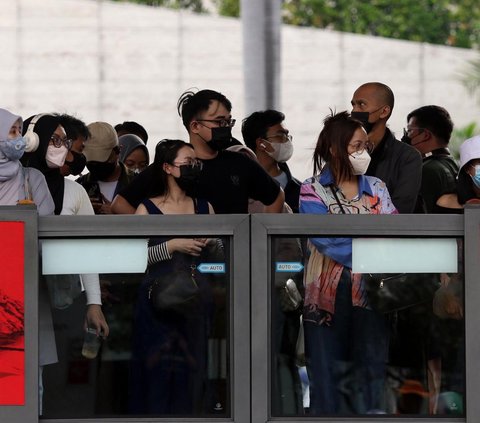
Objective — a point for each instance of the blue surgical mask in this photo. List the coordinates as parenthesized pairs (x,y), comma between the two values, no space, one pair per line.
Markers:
(476,177)
(13,149)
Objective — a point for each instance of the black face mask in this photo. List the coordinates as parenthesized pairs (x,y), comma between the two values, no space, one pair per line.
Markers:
(221,138)
(188,177)
(78,163)
(363,117)
(101,170)
(406,139)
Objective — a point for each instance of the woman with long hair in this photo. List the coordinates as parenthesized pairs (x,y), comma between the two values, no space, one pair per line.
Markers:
(169,359)
(346,342)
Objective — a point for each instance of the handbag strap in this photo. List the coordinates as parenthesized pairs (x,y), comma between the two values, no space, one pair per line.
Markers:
(151,207)
(201,206)
(334,192)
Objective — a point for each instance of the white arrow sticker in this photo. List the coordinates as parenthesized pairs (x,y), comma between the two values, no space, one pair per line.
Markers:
(211,267)
(288,266)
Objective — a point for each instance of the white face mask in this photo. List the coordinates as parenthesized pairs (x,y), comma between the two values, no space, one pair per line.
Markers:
(360,162)
(282,152)
(55,157)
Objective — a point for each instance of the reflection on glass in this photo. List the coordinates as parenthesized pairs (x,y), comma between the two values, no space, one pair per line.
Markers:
(409,360)
(172,362)
(287,271)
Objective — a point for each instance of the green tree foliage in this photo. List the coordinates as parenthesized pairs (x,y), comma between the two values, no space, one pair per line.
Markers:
(447,22)
(228,7)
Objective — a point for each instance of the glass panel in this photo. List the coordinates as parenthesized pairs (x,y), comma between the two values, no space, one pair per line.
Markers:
(61,256)
(286,308)
(173,361)
(406,255)
(379,343)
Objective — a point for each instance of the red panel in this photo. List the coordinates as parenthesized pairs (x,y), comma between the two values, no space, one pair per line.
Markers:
(12,345)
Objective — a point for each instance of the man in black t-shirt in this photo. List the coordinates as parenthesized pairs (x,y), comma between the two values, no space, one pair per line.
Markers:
(228,179)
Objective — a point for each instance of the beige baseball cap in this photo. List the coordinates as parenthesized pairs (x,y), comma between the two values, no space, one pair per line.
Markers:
(103,139)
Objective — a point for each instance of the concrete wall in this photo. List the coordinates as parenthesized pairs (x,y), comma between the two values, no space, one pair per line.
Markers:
(103,60)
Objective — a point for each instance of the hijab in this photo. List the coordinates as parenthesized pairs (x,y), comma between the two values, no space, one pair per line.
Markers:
(11,180)
(44,128)
(130,142)
(8,168)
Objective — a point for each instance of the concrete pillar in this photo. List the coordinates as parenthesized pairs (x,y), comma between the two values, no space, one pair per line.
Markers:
(261,26)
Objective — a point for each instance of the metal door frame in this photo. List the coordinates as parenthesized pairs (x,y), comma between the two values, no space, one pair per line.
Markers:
(417,226)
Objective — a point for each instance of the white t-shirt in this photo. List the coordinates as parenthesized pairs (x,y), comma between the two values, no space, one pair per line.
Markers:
(76,202)
(108,189)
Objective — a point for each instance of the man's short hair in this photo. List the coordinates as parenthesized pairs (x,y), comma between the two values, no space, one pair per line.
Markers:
(74,127)
(191,103)
(256,125)
(131,127)
(434,118)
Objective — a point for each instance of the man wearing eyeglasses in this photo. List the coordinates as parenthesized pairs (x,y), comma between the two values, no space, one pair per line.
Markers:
(265,133)
(395,163)
(428,130)
(228,179)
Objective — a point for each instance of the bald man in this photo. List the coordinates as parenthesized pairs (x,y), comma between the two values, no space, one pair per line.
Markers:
(394,162)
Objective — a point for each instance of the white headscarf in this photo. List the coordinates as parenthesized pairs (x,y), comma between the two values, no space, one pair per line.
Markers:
(11,179)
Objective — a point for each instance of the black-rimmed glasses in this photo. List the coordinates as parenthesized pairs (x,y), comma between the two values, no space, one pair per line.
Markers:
(190,162)
(58,141)
(222,123)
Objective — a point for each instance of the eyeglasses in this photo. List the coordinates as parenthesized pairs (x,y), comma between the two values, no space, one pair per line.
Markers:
(222,123)
(408,131)
(361,147)
(58,142)
(194,163)
(284,137)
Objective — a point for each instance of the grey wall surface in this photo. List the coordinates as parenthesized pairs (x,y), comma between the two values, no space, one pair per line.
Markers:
(103,60)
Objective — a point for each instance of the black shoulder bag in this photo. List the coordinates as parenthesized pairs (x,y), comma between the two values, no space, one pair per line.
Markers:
(175,291)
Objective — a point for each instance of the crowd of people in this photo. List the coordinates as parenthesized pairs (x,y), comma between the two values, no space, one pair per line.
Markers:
(360,167)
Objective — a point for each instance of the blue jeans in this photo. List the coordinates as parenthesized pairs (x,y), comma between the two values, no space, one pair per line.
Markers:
(346,362)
